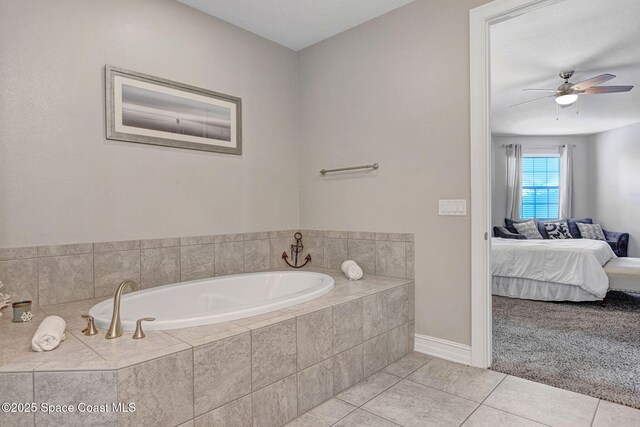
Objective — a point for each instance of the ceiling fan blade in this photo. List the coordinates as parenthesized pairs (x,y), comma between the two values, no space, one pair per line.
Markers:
(606,89)
(540,90)
(594,81)
(531,100)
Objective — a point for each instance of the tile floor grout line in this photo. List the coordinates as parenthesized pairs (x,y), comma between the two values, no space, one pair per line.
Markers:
(559,388)
(511,413)
(340,419)
(442,391)
(342,400)
(382,392)
(378,394)
(470,415)
(407,375)
(517,415)
(379,416)
(346,415)
(479,404)
(494,389)
(420,367)
(309,415)
(483,400)
(593,420)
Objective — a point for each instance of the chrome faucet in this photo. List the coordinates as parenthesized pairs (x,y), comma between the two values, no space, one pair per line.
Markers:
(115,328)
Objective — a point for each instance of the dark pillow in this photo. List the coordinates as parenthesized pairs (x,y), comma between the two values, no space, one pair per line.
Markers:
(509,226)
(573,228)
(508,223)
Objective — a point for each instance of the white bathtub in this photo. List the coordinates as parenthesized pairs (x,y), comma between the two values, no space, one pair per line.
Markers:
(214,300)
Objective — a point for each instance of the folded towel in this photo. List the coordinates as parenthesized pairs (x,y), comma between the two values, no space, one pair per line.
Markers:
(352,270)
(49,334)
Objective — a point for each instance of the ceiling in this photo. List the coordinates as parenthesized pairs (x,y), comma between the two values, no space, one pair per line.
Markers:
(296,24)
(591,37)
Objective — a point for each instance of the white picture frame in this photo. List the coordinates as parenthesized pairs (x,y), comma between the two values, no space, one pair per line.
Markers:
(151,110)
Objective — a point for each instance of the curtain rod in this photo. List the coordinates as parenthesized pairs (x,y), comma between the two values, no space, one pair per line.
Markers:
(539,146)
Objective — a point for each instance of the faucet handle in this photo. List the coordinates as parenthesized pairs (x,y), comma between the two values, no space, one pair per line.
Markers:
(139,333)
(91,326)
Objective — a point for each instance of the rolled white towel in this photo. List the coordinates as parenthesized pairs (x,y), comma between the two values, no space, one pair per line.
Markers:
(352,270)
(49,334)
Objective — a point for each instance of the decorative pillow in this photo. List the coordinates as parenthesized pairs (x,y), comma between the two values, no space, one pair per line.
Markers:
(509,223)
(573,225)
(591,231)
(528,229)
(557,229)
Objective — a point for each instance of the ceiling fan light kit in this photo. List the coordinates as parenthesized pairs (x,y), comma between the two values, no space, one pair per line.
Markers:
(567,93)
(567,99)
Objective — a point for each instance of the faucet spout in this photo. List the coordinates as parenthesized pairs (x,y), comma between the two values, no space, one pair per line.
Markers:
(115,328)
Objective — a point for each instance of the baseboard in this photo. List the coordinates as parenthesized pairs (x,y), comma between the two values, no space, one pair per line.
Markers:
(443,349)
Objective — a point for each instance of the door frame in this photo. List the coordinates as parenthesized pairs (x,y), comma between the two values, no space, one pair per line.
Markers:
(480,20)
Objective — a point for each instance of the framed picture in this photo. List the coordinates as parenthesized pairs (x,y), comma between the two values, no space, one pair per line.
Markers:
(151,110)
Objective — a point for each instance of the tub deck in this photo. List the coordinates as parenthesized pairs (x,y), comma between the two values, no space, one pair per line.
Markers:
(355,330)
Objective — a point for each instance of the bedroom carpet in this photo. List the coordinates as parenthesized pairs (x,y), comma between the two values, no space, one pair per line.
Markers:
(581,347)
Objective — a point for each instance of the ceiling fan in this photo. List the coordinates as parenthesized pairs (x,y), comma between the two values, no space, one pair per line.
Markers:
(567,93)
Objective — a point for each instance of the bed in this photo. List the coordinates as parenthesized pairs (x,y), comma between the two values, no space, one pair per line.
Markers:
(550,270)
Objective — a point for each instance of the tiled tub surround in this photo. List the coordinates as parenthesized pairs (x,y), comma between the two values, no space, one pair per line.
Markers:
(72,272)
(261,371)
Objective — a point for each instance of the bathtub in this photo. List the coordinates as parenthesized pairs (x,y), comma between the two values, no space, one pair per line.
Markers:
(214,300)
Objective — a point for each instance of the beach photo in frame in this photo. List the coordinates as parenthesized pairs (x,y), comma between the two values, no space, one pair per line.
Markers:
(151,110)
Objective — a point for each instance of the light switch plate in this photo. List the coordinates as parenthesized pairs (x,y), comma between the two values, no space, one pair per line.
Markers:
(452,207)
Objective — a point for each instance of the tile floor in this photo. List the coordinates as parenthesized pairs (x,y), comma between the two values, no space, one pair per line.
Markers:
(419,390)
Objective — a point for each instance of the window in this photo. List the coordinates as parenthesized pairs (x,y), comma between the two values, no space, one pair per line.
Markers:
(540,187)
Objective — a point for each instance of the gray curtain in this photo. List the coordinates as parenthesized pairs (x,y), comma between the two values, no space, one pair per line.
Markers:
(566,181)
(514,180)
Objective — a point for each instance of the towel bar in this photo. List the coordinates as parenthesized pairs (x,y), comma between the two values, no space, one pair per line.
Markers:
(373,166)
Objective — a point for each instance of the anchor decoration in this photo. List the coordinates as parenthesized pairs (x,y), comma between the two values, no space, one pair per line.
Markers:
(295,251)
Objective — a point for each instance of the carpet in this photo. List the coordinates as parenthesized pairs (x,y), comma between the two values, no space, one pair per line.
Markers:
(582,347)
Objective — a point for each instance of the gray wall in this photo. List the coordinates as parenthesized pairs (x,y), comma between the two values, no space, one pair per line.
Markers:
(616,174)
(396,90)
(393,90)
(62,181)
(583,196)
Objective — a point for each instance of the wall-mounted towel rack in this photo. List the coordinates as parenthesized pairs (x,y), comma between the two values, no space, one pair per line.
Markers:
(352,168)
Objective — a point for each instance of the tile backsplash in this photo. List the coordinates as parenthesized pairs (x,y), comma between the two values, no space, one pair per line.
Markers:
(62,273)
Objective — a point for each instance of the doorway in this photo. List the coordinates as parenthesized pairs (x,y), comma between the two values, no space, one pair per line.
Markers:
(480,21)
(537,334)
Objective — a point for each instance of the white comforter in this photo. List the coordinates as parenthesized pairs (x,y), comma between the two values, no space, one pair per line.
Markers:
(576,262)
